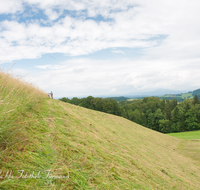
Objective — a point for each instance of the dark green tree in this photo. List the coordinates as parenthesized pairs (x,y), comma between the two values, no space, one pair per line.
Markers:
(195,100)
(130,115)
(164,126)
(158,115)
(64,99)
(75,101)
(173,103)
(150,120)
(98,104)
(137,116)
(162,105)
(176,120)
(197,112)
(87,102)
(168,110)
(191,120)
(175,115)
(122,102)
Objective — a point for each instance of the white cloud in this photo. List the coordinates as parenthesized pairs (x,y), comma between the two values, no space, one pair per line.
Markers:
(52,15)
(69,35)
(167,31)
(130,27)
(10,6)
(118,51)
(44,66)
(83,77)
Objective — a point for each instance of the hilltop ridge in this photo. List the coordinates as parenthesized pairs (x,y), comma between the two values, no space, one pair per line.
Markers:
(93,150)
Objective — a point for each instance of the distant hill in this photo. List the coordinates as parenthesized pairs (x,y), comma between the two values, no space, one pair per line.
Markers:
(158,92)
(180,96)
(197,92)
(120,98)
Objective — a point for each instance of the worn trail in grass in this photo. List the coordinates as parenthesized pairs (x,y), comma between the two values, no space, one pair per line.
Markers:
(191,146)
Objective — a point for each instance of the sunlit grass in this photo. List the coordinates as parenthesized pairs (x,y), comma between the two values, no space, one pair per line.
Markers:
(191,146)
(186,135)
(16,98)
(97,150)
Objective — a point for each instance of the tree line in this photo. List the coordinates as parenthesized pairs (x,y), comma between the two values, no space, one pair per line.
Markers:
(165,116)
(107,105)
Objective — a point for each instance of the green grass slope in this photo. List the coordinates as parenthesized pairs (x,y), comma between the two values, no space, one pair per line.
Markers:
(186,135)
(191,146)
(48,144)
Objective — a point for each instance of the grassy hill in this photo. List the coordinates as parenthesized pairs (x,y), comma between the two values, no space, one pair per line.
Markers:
(82,148)
(180,97)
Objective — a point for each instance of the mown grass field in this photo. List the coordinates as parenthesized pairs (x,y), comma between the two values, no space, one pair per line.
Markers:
(90,149)
(191,145)
(186,135)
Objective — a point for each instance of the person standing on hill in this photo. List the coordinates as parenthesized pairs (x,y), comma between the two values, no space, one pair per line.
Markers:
(51,94)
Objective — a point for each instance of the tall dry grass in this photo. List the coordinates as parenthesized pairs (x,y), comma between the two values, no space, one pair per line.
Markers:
(16,98)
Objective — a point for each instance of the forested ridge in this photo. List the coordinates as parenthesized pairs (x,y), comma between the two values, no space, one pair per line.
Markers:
(196,92)
(161,115)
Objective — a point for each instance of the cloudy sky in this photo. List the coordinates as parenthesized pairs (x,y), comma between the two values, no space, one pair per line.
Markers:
(102,47)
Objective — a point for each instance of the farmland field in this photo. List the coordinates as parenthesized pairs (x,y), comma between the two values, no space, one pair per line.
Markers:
(186,135)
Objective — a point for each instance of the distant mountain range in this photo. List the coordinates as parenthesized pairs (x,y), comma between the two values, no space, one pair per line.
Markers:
(158,92)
